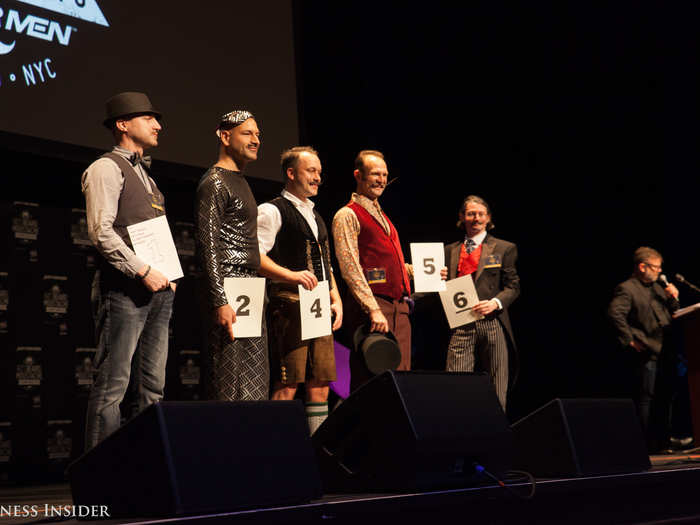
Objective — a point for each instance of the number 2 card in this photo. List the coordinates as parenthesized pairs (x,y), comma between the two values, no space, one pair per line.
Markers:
(246,296)
(315,309)
(428,258)
(458,299)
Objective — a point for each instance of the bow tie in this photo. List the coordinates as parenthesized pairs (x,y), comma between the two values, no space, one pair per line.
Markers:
(138,159)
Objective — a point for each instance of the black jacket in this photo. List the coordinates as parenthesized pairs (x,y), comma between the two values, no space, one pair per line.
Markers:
(642,312)
(495,277)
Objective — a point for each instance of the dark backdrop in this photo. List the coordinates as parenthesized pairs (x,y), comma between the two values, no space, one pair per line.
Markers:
(576,123)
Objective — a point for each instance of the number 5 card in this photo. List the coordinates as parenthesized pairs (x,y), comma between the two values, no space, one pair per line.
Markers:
(246,296)
(428,259)
(315,309)
(458,299)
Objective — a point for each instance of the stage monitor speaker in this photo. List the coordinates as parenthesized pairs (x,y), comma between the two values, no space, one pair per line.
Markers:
(581,437)
(199,457)
(414,431)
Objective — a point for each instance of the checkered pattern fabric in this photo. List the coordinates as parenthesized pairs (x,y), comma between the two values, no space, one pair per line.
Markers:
(238,369)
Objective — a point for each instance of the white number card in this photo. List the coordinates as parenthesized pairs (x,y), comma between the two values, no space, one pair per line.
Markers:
(153,244)
(428,258)
(315,307)
(246,296)
(458,299)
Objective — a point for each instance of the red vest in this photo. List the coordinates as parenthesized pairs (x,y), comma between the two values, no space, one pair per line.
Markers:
(379,250)
(468,262)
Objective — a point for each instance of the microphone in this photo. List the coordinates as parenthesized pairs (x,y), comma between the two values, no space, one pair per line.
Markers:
(683,280)
(666,284)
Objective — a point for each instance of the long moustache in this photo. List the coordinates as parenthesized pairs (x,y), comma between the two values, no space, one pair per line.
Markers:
(390,182)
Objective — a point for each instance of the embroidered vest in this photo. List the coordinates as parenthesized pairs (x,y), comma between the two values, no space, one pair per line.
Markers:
(295,246)
(379,250)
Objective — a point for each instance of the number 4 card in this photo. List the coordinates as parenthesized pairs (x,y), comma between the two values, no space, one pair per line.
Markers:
(315,309)
(458,299)
(246,296)
(428,259)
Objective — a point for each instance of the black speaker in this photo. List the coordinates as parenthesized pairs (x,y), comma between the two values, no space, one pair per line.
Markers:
(199,457)
(413,431)
(581,437)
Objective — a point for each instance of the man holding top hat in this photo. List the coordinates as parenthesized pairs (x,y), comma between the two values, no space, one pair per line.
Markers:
(371,262)
(133,301)
(227,243)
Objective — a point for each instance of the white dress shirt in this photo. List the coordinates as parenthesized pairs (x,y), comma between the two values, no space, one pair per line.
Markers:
(478,238)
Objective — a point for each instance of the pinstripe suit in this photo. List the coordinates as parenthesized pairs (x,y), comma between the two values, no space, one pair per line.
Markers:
(482,345)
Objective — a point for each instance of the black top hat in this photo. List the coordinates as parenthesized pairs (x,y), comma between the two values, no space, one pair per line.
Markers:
(380,351)
(129,104)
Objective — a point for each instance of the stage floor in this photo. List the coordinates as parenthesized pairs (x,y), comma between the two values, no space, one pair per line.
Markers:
(668,493)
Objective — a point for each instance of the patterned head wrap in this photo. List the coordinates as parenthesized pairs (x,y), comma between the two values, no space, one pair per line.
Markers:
(232,119)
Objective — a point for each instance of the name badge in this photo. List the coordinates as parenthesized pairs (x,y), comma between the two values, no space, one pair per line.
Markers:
(376,275)
(157,202)
(493,261)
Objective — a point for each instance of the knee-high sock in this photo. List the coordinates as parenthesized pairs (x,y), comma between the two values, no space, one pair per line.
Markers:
(316,413)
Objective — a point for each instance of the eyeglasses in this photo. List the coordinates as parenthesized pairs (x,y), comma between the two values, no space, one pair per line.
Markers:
(655,267)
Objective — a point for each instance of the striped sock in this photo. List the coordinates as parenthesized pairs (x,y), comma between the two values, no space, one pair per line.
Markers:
(316,413)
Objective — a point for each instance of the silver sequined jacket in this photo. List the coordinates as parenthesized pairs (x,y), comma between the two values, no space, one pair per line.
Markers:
(227,230)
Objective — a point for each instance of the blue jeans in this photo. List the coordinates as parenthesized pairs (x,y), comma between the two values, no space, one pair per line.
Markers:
(126,332)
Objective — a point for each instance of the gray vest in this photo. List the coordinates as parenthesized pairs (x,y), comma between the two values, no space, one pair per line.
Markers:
(135,203)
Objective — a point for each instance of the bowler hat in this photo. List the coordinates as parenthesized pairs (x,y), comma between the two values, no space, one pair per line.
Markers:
(128,104)
(380,351)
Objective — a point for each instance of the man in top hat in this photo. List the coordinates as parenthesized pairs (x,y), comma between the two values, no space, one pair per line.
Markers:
(295,250)
(483,345)
(227,243)
(133,300)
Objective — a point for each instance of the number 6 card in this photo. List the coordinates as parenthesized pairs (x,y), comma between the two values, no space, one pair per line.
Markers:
(458,299)
(246,296)
(428,258)
(315,309)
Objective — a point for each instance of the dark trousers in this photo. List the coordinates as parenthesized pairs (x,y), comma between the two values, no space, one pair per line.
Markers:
(397,316)
(654,380)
